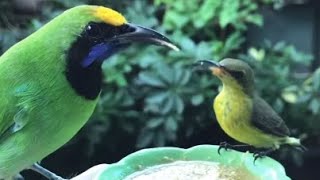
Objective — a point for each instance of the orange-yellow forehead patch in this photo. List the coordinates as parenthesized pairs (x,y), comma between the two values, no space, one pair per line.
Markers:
(110,16)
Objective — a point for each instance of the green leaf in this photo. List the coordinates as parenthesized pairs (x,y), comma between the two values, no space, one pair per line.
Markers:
(279,46)
(255,19)
(117,78)
(258,55)
(171,124)
(178,74)
(178,104)
(278,105)
(182,76)
(290,97)
(186,76)
(166,73)
(167,105)
(154,123)
(150,79)
(229,12)
(204,50)
(316,80)
(157,97)
(172,136)
(174,20)
(314,106)
(206,13)
(304,98)
(158,2)
(147,18)
(187,44)
(233,42)
(149,58)
(145,138)
(197,99)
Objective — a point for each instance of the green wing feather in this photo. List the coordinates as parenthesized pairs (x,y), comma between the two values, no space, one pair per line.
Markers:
(266,119)
(15,113)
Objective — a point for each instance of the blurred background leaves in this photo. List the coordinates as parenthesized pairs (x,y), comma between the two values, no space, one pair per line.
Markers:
(151,96)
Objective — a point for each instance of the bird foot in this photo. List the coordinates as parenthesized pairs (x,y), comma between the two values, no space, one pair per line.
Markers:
(261,154)
(226,146)
(48,174)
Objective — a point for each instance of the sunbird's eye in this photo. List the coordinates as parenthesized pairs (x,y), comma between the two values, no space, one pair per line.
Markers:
(93,30)
(237,74)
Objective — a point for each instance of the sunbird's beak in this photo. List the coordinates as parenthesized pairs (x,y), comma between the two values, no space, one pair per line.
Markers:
(205,65)
(134,34)
(209,66)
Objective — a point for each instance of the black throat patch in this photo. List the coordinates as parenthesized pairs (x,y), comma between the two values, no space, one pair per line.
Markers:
(86,81)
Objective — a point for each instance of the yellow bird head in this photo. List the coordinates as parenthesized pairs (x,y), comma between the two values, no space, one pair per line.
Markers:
(97,29)
(232,72)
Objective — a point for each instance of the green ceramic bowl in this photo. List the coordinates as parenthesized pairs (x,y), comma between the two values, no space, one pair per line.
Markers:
(199,159)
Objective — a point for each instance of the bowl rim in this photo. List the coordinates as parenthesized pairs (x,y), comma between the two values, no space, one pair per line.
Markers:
(265,168)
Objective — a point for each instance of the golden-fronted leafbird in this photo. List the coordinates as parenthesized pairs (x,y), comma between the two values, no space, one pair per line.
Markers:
(51,82)
(241,113)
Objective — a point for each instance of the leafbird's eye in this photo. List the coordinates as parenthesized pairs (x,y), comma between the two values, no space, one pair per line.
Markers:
(94,31)
(126,29)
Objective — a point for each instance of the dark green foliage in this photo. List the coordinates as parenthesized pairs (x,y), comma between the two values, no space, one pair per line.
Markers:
(154,95)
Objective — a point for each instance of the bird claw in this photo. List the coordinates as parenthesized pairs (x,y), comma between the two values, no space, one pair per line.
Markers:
(261,154)
(225,146)
(258,155)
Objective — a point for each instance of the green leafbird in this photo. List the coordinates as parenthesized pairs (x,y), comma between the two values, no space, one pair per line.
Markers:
(50,82)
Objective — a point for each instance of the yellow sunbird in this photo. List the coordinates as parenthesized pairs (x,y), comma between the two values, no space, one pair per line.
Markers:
(241,113)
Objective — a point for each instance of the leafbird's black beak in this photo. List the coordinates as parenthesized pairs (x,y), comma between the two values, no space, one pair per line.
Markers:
(134,33)
(205,65)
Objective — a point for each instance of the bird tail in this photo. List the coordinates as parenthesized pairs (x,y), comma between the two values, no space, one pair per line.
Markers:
(295,142)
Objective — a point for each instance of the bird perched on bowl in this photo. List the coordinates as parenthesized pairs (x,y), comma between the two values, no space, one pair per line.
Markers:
(51,82)
(241,113)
